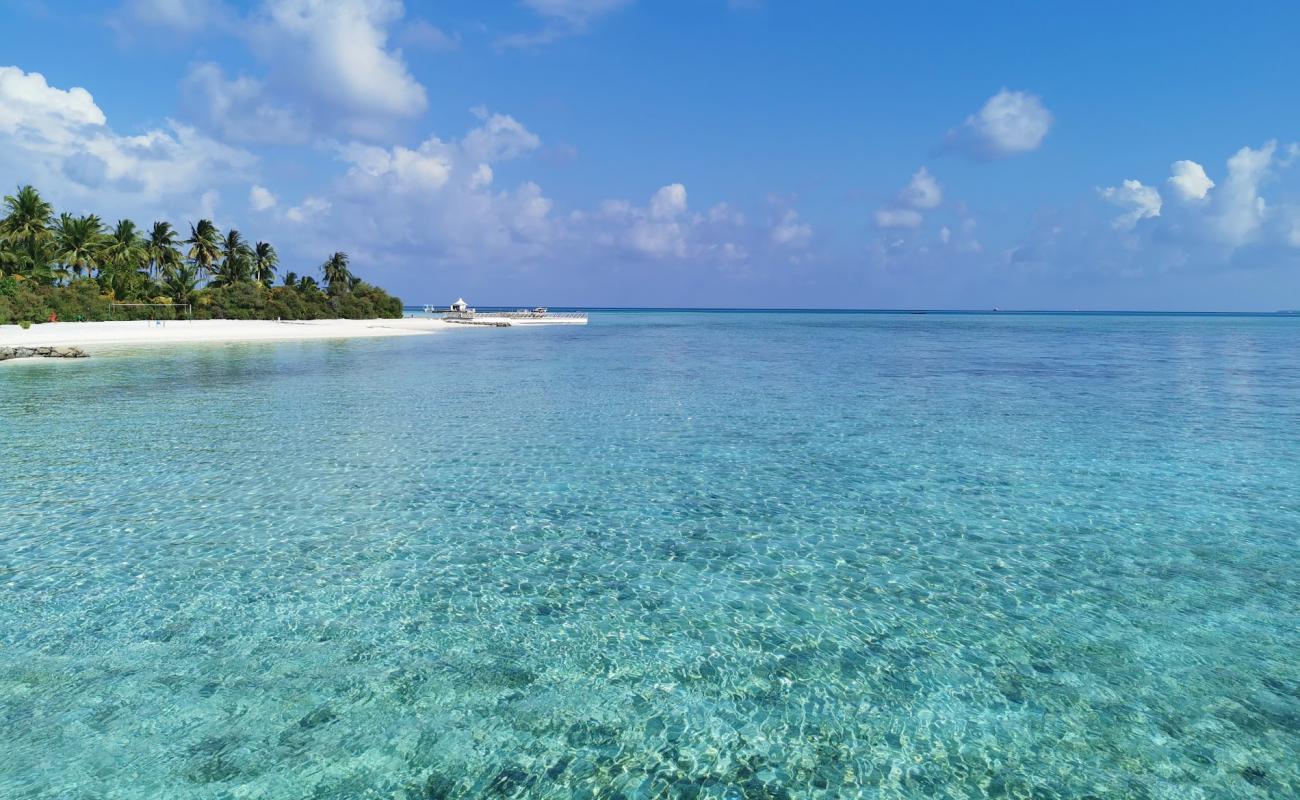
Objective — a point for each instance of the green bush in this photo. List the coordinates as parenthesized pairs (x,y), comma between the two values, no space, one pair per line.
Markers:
(85,299)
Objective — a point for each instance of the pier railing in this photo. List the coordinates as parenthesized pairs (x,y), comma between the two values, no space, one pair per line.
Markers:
(557,315)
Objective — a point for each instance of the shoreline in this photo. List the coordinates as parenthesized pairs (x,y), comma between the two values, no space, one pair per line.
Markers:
(94,336)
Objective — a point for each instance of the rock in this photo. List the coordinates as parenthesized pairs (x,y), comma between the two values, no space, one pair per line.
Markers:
(7,353)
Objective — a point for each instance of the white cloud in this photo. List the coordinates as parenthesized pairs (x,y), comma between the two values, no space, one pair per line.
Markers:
(185,16)
(438,199)
(724,213)
(790,232)
(898,218)
(336,51)
(668,202)
(329,66)
(309,207)
(1008,123)
(500,137)
(666,230)
(922,192)
(240,109)
(1228,224)
(482,177)
(945,234)
(1142,202)
(662,229)
(1239,211)
(260,198)
(563,18)
(1189,180)
(27,101)
(208,205)
(578,11)
(421,33)
(59,140)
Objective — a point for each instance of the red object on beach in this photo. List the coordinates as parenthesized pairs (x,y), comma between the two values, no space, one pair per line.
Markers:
(54,317)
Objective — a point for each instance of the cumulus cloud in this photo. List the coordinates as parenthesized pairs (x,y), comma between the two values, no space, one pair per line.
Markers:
(308,209)
(1239,210)
(577,11)
(898,218)
(1007,124)
(27,101)
(240,109)
(665,229)
(60,140)
(561,18)
(500,137)
(185,16)
(668,202)
(1142,202)
(438,199)
(441,203)
(336,52)
(790,232)
(329,66)
(1189,180)
(922,193)
(1231,224)
(260,198)
(662,229)
(421,33)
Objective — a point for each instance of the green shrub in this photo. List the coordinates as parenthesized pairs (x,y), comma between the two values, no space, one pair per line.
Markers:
(85,299)
(24,324)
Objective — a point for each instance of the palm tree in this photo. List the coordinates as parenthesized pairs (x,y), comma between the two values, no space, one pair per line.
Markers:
(123,257)
(182,283)
(290,279)
(162,249)
(78,242)
(26,215)
(34,258)
(205,245)
(338,279)
(24,230)
(236,260)
(307,283)
(58,234)
(265,260)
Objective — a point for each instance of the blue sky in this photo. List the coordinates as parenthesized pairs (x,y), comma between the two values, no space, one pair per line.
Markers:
(703,152)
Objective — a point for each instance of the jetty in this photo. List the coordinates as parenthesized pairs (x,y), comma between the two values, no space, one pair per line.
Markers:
(461,313)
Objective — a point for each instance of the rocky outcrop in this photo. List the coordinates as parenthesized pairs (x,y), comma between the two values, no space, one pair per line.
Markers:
(7,353)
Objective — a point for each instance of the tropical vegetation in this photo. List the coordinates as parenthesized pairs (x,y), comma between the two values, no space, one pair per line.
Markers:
(77,267)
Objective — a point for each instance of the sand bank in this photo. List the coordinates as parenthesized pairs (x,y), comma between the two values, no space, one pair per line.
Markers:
(91,336)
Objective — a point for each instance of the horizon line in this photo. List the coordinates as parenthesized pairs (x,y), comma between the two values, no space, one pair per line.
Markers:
(901,310)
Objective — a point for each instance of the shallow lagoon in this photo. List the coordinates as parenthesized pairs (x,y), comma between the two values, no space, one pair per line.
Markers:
(665,555)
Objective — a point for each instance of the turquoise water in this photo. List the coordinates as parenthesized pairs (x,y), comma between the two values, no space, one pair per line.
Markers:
(665,555)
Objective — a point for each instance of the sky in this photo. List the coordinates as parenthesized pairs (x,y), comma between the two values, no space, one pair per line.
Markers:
(710,153)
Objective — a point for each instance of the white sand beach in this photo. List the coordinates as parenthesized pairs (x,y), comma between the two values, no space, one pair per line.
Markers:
(92,336)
